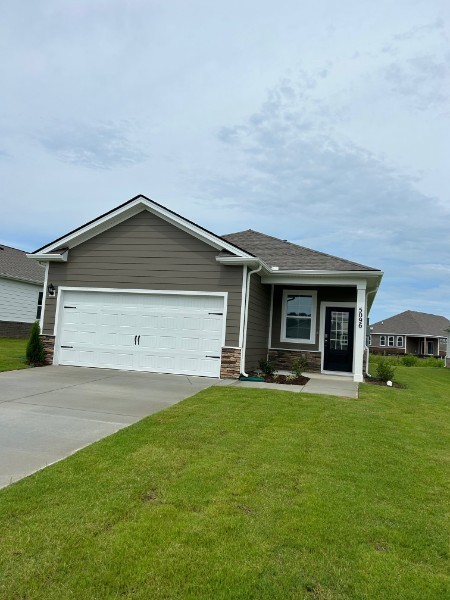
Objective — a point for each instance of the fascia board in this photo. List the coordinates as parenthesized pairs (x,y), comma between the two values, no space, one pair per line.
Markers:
(44,257)
(311,280)
(237,260)
(131,209)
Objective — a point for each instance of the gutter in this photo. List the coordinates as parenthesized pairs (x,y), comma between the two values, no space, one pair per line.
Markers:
(244,341)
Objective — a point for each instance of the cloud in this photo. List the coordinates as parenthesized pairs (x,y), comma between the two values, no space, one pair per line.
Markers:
(299,179)
(101,146)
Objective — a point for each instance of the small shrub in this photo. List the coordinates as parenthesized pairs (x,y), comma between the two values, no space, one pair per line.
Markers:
(35,350)
(432,362)
(409,361)
(267,368)
(385,371)
(299,365)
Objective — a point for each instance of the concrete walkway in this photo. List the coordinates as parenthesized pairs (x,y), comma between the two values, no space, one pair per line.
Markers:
(48,413)
(330,385)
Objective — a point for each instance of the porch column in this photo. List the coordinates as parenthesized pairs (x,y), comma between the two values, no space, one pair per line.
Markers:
(360,331)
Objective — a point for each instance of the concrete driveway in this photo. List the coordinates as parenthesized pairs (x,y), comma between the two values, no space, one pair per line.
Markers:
(48,413)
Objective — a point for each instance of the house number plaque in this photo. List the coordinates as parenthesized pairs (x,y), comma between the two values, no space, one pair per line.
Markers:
(360,318)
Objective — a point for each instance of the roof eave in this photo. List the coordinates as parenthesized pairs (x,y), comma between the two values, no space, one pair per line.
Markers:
(49,257)
(21,279)
(129,209)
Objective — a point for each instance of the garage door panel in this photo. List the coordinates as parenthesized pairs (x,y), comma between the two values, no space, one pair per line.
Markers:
(176,332)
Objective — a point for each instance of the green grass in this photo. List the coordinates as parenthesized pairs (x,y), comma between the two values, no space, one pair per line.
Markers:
(241,493)
(12,354)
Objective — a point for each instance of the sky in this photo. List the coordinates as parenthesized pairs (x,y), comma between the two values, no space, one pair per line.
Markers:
(324,123)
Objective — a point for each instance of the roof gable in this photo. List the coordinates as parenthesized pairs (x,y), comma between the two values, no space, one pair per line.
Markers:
(129,209)
(15,265)
(288,256)
(413,323)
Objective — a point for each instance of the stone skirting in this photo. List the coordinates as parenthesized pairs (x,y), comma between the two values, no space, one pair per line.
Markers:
(230,367)
(282,359)
(48,341)
(15,329)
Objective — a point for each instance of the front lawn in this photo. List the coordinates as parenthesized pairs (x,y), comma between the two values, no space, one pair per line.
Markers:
(243,493)
(12,354)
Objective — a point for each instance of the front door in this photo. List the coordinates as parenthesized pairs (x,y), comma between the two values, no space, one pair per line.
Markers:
(338,342)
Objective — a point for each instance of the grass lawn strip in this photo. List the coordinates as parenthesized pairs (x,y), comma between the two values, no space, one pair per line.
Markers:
(12,354)
(245,493)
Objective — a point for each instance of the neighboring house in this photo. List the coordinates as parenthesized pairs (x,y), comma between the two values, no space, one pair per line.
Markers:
(410,332)
(143,288)
(21,282)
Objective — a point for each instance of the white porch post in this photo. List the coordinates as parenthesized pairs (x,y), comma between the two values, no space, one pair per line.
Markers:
(360,331)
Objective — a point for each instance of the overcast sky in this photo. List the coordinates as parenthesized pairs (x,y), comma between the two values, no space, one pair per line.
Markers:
(325,123)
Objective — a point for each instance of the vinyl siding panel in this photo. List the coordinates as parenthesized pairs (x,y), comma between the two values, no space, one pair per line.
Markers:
(324,294)
(18,301)
(146,252)
(258,322)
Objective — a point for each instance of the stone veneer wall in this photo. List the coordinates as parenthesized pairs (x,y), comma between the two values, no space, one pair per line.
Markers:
(48,342)
(282,359)
(230,367)
(15,329)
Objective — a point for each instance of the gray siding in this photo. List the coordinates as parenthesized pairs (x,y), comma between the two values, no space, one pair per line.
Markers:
(146,252)
(258,322)
(324,294)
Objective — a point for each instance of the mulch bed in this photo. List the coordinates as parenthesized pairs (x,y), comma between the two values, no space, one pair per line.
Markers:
(285,379)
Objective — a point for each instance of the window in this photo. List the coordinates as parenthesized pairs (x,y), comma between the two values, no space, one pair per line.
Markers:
(298,321)
(369,340)
(390,340)
(382,340)
(399,341)
(39,306)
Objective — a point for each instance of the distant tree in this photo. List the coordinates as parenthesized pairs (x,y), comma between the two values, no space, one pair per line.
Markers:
(35,349)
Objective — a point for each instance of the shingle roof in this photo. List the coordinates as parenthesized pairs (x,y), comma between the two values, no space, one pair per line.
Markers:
(289,256)
(414,323)
(15,265)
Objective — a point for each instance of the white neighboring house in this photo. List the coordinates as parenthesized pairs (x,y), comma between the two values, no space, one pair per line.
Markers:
(21,287)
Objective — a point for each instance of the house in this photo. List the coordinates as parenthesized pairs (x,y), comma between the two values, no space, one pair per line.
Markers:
(144,288)
(21,284)
(410,332)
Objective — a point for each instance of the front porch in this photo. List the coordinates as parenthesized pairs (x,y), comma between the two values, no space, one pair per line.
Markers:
(322,323)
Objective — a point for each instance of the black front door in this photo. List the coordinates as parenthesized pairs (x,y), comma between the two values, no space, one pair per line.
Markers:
(338,343)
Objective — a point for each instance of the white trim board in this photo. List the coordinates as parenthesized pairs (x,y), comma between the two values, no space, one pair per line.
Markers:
(130,209)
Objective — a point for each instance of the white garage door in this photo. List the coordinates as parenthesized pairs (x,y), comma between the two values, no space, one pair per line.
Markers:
(163,333)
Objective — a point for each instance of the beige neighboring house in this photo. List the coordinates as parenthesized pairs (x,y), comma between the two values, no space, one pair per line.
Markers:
(143,288)
(21,291)
(411,332)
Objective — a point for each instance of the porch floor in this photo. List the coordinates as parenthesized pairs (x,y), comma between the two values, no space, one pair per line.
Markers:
(330,385)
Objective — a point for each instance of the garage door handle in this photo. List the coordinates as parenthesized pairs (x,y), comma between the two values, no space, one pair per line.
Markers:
(208,356)
(66,346)
(135,338)
(215,313)
(139,339)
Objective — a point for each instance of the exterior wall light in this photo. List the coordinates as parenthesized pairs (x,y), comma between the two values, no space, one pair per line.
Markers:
(51,290)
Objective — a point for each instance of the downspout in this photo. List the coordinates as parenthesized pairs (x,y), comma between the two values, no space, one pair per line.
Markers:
(244,340)
(366,347)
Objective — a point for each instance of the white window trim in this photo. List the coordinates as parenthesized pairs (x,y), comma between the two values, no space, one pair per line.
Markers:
(402,345)
(384,342)
(312,337)
(389,338)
